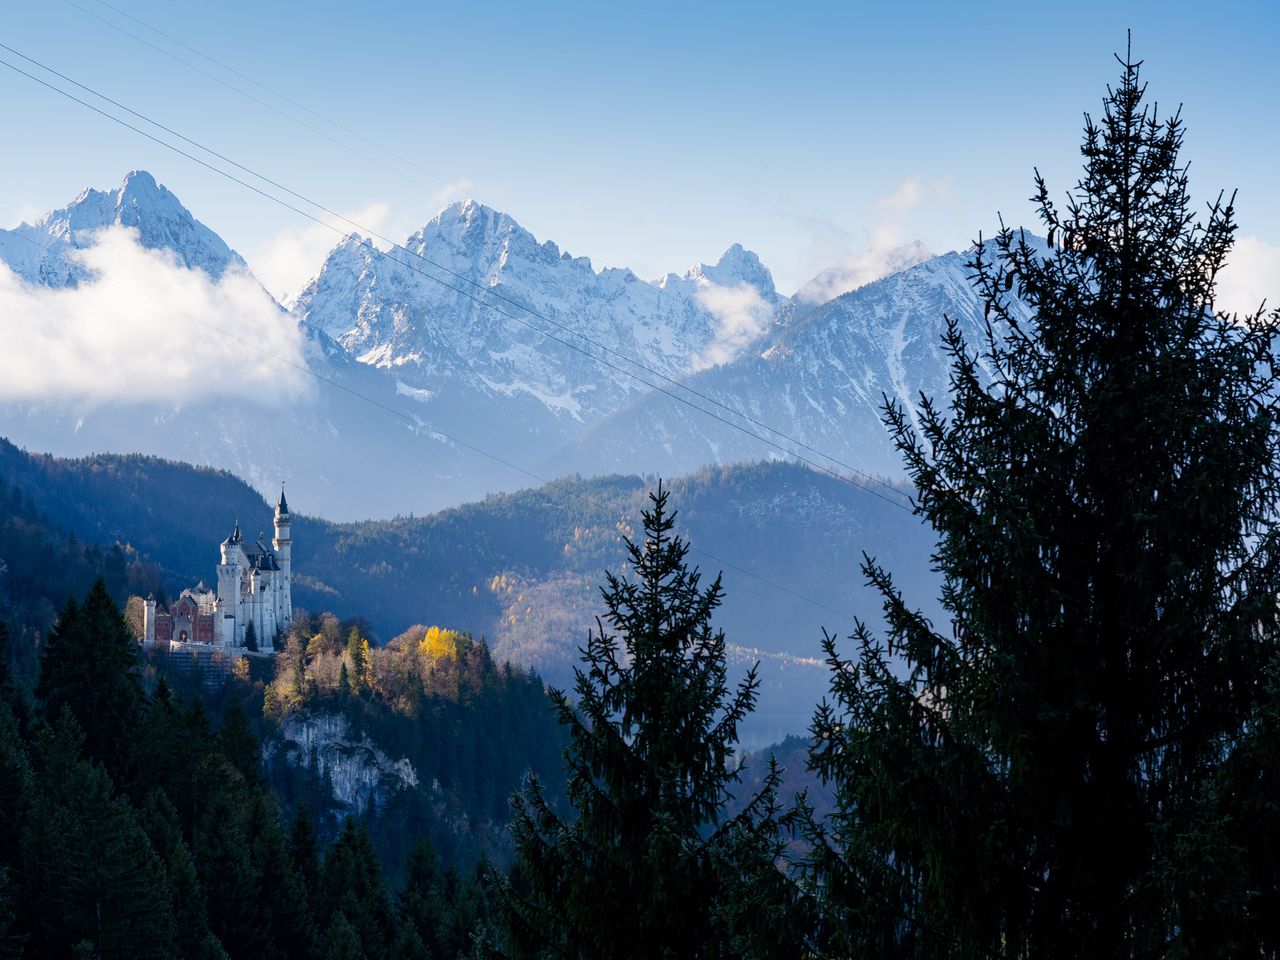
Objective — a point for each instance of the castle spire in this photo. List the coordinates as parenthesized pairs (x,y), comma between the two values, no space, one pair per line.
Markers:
(282,508)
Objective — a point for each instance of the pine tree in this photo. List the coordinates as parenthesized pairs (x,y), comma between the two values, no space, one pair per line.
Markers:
(92,873)
(1042,778)
(647,866)
(358,658)
(240,744)
(351,887)
(285,906)
(11,692)
(88,667)
(159,818)
(304,852)
(251,637)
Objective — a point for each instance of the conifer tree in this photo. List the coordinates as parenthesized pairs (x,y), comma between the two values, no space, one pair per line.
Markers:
(358,657)
(251,637)
(92,872)
(88,667)
(11,692)
(648,864)
(159,818)
(304,852)
(1043,776)
(351,888)
(240,744)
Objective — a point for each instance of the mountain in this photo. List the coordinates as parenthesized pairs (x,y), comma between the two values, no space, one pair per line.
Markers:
(859,270)
(473,300)
(426,383)
(38,252)
(820,377)
(353,442)
(523,569)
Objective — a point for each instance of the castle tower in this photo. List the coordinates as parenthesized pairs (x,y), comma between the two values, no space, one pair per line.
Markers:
(229,574)
(282,542)
(149,620)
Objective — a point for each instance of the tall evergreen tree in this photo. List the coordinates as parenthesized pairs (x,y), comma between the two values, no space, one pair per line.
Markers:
(1043,777)
(92,874)
(159,818)
(88,667)
(251,638)
(643,868)
(304,851)
(352,889)
(240,744)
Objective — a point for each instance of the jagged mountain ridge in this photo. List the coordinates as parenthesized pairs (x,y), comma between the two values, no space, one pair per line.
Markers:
(162,222)
(821,378)
(466,297)
(447,366)
(345,457)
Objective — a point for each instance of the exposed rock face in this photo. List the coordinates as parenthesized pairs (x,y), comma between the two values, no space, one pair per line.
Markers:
(359,771)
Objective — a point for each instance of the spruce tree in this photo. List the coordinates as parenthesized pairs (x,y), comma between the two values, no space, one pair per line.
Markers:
(648,863)
(88,667)
(92,874)
(251,637)
(1042,776)
(352,889)
(240,744)
(304,852)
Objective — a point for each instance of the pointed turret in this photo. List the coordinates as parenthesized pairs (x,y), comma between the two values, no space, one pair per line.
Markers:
(282,563)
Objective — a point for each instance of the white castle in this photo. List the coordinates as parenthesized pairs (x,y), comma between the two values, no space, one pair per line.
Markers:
(255,588)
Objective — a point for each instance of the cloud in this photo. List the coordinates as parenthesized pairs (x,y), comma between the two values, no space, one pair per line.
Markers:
(889,248)
(26,213)
(741,313)
(140,331)
(1252,274)
(290,259)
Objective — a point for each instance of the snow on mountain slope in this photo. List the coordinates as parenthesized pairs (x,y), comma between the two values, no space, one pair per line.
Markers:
(161,220)
(821,379)
(344,456)
(441,355)
(451,310)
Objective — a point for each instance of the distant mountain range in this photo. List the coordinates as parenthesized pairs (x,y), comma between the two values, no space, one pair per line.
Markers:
(455,339)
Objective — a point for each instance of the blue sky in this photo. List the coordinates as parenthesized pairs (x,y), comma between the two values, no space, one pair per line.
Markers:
(650,136)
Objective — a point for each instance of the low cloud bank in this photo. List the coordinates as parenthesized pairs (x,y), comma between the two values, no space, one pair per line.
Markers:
(144,329)
(741,314)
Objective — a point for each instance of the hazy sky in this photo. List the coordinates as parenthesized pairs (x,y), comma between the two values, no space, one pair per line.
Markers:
(650,136)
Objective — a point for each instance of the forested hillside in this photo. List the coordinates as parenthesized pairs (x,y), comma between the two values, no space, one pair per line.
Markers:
(521,570)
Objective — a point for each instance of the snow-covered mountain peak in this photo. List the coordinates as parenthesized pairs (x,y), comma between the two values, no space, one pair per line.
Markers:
(860,269)
(37,251)
(736,267)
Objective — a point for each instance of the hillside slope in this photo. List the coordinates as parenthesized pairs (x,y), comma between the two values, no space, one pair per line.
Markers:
(523,569)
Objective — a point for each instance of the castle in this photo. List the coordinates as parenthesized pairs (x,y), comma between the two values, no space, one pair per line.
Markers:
(254,590)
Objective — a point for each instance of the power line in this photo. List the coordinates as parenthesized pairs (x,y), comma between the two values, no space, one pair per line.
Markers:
(416,423)
(244,93)
(257,83)
(659,292)
(483,290)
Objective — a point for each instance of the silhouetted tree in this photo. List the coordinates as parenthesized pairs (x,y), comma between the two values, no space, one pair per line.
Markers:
(648,865)
(1042,777)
